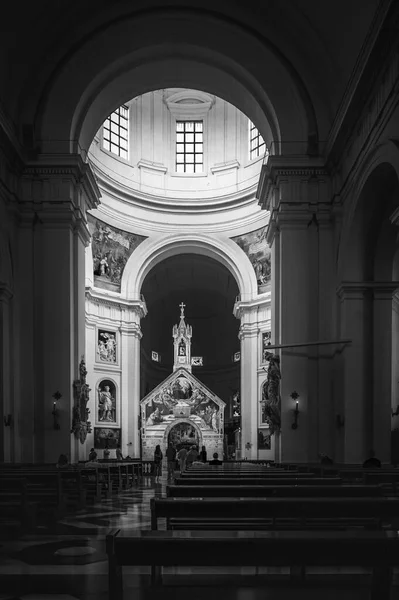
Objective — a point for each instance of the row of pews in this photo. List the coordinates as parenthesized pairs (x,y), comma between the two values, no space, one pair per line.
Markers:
(243,514)
(37,493)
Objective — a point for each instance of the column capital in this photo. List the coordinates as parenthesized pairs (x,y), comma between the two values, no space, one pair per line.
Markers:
(57,191)
(249,308)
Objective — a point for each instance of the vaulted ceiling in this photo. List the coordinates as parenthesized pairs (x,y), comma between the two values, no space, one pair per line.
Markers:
(209,291)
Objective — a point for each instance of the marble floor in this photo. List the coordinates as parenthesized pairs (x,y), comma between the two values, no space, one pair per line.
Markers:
(67,561)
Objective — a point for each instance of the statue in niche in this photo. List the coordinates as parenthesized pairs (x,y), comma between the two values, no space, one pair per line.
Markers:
(182,349)
(271,393)
(106,403)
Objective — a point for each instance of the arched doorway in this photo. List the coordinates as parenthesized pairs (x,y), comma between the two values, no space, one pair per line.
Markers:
(184,434)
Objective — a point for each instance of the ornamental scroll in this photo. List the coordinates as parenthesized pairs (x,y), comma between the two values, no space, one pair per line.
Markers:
(81,425)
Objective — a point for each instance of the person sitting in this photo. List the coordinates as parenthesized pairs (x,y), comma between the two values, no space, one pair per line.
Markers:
(118,451)
(92,455)
(372,462)
(215,460)
(62,461)
(325,460)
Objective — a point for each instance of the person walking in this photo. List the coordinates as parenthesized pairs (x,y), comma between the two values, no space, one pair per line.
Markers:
(158,456)
(171,458)
(181,457)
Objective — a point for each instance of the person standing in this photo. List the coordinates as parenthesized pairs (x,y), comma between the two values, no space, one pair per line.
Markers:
(171,458)
(118,451)
(181,457)
(192,456)
(92,454)
(158,456)
(202,455)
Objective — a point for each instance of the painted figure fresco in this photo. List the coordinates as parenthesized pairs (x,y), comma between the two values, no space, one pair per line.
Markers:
(111,248)
(106,437)
(106,346)
(181,390)
(107,401)
(255,246)
(183,434)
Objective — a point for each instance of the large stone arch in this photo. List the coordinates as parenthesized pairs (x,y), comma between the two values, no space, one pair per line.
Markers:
(153,251)
(381,164)
(159,49)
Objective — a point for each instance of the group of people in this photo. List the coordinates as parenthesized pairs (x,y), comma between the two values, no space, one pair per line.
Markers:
(185,457)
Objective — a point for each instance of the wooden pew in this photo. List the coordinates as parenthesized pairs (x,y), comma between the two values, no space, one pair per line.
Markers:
(220,474)
(263,491)
(235,481)
(378,550)
(44,486)
(244,513)
(14,503)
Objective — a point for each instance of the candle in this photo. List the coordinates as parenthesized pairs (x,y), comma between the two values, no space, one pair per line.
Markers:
(297,404)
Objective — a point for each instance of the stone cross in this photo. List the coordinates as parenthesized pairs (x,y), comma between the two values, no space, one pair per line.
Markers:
(182,306)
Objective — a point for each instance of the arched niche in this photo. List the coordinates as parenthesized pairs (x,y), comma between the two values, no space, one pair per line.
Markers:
(107,405)
(159,49)
(151,252)
(369,238)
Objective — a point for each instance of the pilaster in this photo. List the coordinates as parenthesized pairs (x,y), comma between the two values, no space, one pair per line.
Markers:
(55,193)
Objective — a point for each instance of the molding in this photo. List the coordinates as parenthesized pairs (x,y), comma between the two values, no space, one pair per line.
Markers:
(180,106)
(358,289)
(233,164)
(151,166)
(250,307)
(138,306)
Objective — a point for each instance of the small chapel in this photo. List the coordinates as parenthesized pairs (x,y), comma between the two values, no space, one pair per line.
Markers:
(199,250)
(181,410)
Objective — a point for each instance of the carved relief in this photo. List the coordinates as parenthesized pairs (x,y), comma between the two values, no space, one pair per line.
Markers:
(106,346)
(81,425)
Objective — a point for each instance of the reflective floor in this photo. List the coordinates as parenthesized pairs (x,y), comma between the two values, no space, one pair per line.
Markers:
(67,561)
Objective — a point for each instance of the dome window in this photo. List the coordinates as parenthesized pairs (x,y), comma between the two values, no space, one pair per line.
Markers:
(115,132)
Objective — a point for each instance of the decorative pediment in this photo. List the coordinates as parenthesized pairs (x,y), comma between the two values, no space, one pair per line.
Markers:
(182,395)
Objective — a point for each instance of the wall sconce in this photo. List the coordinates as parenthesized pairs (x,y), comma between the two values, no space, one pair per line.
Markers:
(339,421)
(295,397)
(57,396)
(7,420)
(395,413)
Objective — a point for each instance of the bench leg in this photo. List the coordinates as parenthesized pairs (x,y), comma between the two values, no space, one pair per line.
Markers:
(381,583)
(115,581)
(156,575)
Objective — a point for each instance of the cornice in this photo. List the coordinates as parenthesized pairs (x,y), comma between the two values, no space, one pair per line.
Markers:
(98,297)
(357,289)
(242,307)
(171,204)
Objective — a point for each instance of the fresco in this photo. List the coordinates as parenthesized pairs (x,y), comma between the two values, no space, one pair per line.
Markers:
(111,250)
(255,246)
(106,437)
(181,390)
(266,341)
(183,434)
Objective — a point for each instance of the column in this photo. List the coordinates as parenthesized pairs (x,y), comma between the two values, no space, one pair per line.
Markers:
(382,369)
(130,383)
(248,336)
(6,432)
(356,324)
(55,196)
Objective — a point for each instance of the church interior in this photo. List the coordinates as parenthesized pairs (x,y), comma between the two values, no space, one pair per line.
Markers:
(199,300)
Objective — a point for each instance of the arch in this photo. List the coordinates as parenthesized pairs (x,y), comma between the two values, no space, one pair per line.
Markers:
(153,251)
(178,422)
(167,48)
(380,169)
